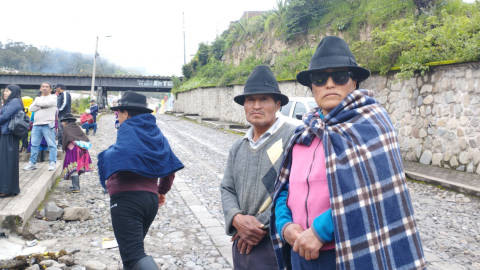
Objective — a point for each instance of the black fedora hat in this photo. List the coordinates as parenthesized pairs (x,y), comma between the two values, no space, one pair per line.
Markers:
(67,116)
(133,101)
(261,81)
(332,52)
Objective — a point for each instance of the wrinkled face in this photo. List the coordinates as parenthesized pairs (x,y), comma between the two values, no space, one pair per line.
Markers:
(45,89)
(329,95)
(260,109)
(122,116)
(6,94)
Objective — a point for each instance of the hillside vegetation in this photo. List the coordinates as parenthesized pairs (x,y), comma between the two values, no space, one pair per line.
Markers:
(408,36)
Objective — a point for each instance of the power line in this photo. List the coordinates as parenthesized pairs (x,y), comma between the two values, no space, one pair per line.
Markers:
(101,64)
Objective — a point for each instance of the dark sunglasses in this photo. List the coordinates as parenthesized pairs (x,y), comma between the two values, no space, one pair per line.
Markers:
(339,77)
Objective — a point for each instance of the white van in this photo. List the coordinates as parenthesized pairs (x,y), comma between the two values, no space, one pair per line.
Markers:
(296,108)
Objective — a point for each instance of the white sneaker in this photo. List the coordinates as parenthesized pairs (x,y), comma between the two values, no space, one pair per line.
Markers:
(52,166)
(30,166)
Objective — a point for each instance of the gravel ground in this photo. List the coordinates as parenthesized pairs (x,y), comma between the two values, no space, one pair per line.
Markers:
(449,222)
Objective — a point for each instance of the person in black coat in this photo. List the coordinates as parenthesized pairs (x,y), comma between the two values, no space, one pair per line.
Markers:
(9,143)
(64,105)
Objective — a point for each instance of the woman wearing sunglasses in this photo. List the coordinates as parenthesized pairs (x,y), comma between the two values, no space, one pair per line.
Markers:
(341,199)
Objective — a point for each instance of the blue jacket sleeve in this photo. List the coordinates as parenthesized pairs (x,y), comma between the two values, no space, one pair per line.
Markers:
(11,108)
(323,227)
(94,109)
(283,214)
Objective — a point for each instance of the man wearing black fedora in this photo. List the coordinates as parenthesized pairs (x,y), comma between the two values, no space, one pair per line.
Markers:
(129,170)
(248,183)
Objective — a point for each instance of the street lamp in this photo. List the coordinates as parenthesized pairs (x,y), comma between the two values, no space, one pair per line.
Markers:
(94,67)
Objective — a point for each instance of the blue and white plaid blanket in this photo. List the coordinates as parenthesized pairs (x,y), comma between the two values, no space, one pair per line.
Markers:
(371,207)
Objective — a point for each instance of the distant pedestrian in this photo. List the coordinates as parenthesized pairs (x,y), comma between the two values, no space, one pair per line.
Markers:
(87,122)
(9,143)
(93,110)
(27,101)
(45,108)
(77,158)
(117,123)
(64,104)
(131,168)
(252,166)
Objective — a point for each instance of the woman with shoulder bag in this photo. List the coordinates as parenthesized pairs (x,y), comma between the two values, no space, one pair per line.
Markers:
(9,143)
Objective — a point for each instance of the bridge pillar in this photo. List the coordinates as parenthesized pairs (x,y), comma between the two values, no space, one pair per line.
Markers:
(101,97)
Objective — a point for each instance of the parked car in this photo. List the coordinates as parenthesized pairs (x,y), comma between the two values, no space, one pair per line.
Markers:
(296,108)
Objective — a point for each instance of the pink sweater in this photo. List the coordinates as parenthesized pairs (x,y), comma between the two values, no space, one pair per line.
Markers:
(308,192)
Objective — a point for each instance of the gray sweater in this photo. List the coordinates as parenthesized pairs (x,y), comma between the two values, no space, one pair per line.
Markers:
(45,108)
(250,175)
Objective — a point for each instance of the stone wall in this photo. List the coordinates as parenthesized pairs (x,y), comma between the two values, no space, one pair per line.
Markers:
(217,102)
(436,116)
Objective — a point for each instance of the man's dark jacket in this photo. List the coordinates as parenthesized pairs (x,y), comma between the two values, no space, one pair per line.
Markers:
(64,103)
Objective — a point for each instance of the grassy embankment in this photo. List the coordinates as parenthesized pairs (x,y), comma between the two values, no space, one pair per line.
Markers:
(404,38)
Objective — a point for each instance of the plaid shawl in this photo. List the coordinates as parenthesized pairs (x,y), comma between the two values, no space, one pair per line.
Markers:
(371,207)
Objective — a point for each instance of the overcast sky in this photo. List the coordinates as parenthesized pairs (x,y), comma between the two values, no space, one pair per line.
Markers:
(145,34)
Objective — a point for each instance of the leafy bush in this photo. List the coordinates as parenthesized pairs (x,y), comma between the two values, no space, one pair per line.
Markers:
(203,54)
(289,63)
(409,36)
(176,82)
(217,50)
(79,105)
(187,71)
(410,44)
(239,74)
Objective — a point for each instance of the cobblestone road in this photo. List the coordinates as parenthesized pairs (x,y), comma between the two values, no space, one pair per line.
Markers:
(188,234)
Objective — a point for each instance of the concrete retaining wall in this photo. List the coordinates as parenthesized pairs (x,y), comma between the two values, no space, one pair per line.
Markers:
(436,116)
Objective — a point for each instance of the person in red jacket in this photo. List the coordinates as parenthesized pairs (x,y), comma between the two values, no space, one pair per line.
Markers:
(87,122)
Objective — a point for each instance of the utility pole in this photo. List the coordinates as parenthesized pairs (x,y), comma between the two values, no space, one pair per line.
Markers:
(184,51)
(94,67)
(93,73)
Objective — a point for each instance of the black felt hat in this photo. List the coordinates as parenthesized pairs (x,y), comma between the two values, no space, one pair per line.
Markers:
(133,101)
(67,116)
(261,81)
(332,52)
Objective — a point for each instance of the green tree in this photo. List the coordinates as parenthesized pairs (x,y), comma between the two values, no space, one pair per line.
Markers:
(217,50)
(203,54)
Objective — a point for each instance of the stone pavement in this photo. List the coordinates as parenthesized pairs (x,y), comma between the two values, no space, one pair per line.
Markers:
(468,183)
(34,185)
(188,231)
(448,222)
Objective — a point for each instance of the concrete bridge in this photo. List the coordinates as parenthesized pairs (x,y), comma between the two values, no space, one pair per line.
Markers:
(103,83)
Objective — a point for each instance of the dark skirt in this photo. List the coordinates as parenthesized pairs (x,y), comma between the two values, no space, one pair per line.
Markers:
(9,167)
